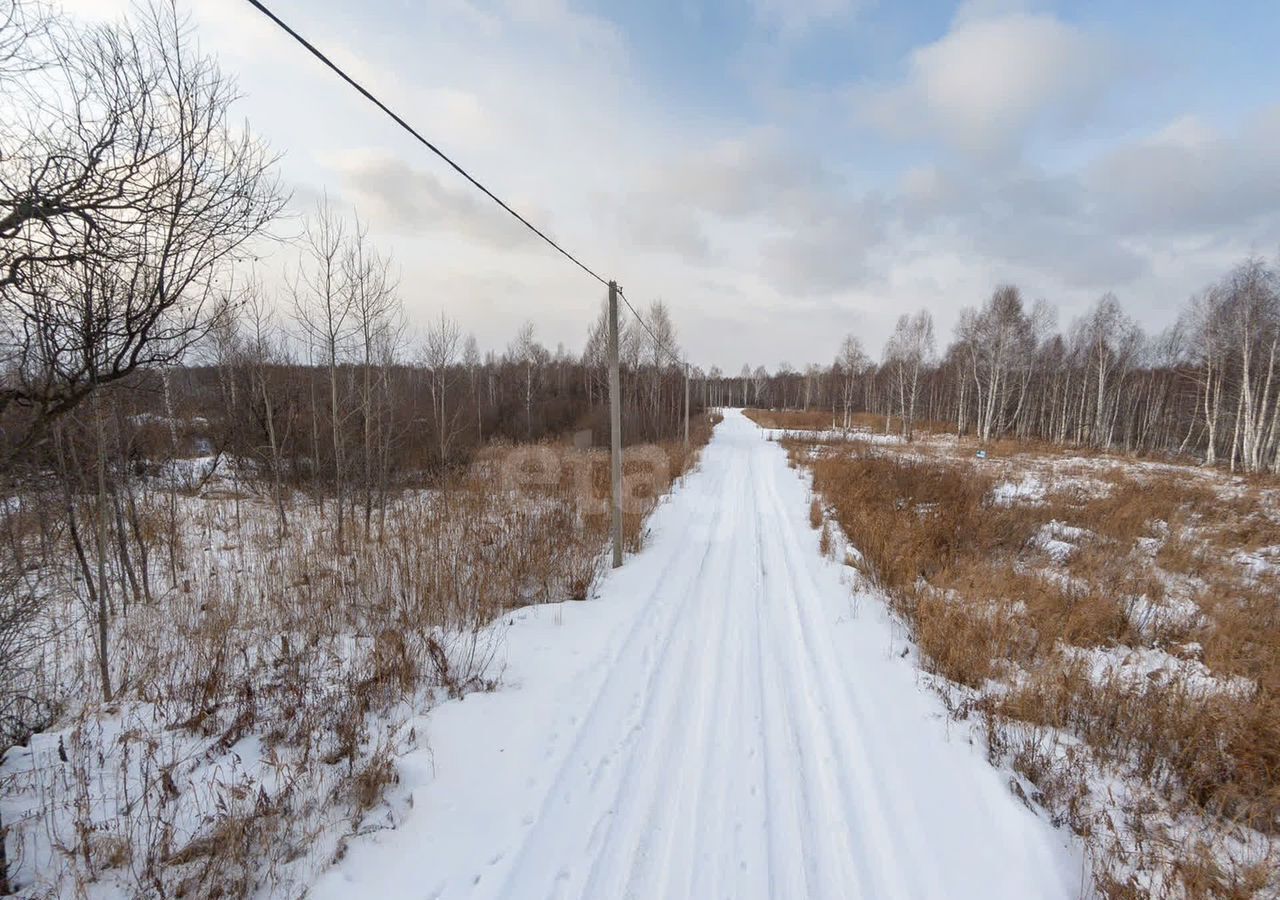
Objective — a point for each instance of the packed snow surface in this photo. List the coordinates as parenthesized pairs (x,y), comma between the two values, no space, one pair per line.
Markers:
(725,719)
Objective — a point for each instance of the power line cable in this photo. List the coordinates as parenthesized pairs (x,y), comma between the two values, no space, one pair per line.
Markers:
(656,340)
(422,140)
(363,91)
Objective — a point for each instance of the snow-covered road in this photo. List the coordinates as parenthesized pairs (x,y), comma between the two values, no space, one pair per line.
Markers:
(726,719)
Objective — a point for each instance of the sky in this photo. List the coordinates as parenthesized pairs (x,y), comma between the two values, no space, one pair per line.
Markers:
(780,173)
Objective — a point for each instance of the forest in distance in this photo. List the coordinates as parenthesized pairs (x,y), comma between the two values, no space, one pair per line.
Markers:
(1208,386)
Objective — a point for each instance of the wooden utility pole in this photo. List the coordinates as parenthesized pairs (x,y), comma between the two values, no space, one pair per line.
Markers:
(615,425)
(686,404)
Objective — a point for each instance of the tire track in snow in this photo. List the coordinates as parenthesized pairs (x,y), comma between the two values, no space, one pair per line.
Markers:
(888,799)
(842,761)
(831,868)
(711,728)
(648,645)
(697,759)
(632,836)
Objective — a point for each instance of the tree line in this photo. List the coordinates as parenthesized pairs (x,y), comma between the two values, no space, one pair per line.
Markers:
(1206,386)
(129,206)
(340,397)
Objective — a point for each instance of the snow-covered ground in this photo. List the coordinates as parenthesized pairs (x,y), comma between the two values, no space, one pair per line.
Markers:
(729,717)
(261,690)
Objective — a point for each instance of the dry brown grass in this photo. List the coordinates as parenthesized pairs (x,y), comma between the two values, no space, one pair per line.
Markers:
(986,604)
(874,422)
(824,420)
(815,513)
(317,656)
(793,419)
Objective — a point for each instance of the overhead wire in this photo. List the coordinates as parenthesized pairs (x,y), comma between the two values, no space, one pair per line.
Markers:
(368,95)
(657,341)
(318,54)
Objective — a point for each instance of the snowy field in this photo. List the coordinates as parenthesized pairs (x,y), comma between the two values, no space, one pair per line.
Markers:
(733,716)
(262,688)
(1108,622)
(738,711)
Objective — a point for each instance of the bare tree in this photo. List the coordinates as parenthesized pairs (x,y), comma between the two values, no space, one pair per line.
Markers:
(998,340)
(24,31)
(1109,340)
(472,362)
(595,355)
(812,380)
(439,354)
(524,351)
(124,195)
(264,351)
(377,325)
(715,384)
(784,375)
(760,384)
(324,310)
(907,352)
(660,338)
(1252,293)
(852,363)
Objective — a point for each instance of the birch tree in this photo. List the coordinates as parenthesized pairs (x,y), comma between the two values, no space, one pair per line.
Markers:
(472,363)
(325,312)
(376,325)
(440,352)
(997,339)
(852,363)
(907,352)
(1109,341)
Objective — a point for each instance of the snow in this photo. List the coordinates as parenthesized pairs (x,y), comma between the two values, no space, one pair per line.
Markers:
(863,434)
(1134,668)
(1171,613)
(1059,540)
(1259,563)
(857,433)
(1030,488)
(190,471)
(726,718)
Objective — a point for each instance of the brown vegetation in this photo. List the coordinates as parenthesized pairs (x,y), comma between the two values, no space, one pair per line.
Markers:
(791,419)
(824,420)
(1147,564)
(275,645)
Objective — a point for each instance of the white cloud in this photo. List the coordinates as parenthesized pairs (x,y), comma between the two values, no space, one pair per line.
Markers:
(990,79)
(750,174)
(407,199)
(252,31)
(1189,178)
(1018,219)
(667,229)
(772,209)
